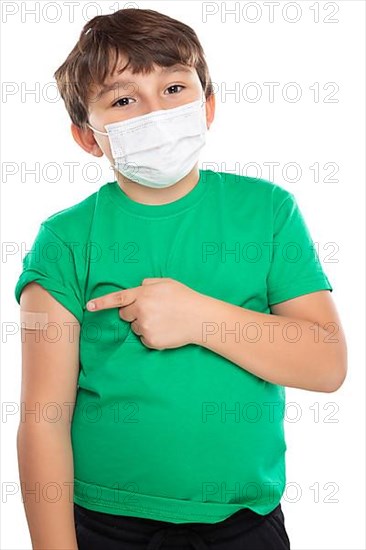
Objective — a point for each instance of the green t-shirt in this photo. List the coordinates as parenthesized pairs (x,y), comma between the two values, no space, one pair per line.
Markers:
(183,434)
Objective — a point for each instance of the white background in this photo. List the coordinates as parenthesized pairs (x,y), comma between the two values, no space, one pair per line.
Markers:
(324,504)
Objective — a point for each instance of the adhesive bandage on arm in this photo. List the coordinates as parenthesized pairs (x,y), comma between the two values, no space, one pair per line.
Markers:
(33,320)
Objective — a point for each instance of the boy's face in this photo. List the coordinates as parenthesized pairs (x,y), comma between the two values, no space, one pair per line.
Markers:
(126,95)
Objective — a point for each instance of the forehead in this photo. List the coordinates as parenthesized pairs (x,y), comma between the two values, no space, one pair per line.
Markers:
(128,77)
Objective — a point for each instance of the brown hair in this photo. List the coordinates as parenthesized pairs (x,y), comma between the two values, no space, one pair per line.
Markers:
(145,36)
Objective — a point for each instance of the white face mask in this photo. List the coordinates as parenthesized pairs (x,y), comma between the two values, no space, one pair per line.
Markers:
(159,148)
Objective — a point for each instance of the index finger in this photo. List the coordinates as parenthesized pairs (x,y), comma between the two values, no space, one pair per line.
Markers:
(114,299)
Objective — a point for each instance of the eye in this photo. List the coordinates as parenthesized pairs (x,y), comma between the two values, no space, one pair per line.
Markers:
(116,104)
(175,86)
(121,99)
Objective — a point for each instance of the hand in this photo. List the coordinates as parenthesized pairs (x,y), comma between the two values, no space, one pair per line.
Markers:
(162,311)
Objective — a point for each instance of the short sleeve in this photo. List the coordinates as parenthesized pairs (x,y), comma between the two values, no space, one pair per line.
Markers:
(295,268)
(50,263)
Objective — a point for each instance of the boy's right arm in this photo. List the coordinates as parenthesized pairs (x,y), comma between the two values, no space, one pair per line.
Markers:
(50,368)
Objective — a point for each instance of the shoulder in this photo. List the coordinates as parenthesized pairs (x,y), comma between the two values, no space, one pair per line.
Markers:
(259,191)
(75,222)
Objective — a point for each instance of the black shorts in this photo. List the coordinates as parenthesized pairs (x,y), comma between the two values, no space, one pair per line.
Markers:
(244,530)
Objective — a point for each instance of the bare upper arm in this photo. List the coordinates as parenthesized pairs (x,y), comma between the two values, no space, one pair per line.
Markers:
(317,307)
(50,359)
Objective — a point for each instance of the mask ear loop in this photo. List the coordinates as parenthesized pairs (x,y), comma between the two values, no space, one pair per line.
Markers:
(114,168)
(97,131)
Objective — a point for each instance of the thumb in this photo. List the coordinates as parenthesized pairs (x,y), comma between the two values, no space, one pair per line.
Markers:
(152,280)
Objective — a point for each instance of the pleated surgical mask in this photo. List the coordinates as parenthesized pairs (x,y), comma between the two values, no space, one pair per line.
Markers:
(159,148)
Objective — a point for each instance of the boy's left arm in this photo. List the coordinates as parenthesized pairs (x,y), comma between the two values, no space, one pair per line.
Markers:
(302,345)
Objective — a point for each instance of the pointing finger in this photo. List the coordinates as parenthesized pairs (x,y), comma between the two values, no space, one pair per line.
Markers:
(114,299)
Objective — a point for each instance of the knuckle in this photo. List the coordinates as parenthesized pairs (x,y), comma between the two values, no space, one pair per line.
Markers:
(120,297)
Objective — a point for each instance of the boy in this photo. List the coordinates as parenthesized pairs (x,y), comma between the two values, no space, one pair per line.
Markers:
(176,439)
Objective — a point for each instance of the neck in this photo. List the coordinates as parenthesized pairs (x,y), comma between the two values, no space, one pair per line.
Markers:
(151,195)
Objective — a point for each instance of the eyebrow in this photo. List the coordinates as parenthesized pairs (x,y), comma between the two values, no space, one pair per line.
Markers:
(165,70)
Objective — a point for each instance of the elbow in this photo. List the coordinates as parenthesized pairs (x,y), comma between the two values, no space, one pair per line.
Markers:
(338,372)
(337,382)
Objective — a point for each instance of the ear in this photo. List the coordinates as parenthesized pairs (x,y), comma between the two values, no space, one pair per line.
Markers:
(210,110)
(85,138)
